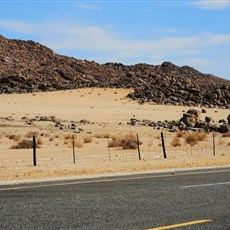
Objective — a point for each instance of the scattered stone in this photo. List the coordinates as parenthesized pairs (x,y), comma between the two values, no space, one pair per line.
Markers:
(203,111)
(84,121)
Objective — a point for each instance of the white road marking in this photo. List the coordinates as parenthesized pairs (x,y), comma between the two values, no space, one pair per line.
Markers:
(205,185)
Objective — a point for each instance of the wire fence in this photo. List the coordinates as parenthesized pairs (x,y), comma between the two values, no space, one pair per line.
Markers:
(163,150)
(162,147)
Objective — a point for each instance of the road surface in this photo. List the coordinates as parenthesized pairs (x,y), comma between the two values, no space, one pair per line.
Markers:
(188,199)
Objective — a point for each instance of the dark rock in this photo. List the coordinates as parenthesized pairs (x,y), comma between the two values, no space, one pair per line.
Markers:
(224,128)
(228,118)
(203,111)
(209,119)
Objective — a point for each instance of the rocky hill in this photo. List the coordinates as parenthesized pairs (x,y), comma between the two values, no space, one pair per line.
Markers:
(27,66)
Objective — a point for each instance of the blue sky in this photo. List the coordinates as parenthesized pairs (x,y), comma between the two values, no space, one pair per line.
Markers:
(194,33)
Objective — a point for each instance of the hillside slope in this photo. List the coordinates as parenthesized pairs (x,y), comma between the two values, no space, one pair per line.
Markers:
(27,66)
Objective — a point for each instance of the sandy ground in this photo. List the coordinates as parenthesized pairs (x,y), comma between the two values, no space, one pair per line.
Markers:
(108,111)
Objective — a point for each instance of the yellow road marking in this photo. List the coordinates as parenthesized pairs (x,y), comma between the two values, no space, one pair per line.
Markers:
(113,180)
(182,225)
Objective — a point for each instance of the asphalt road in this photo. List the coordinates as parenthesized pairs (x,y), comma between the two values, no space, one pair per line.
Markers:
(130,202)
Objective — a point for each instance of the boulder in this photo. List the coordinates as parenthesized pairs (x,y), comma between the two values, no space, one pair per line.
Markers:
(191,117)
(209,119)
(224,128)
(228,118)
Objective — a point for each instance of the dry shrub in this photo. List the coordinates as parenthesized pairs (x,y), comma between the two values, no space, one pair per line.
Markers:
(128,141)
(47,135)
(51,138)
(88,139)
(194,138)
(226,134)
(221,142)
(40,141)
(15,137)
(68,136)
(77,143)
(56,135)
(116,141)
(102,135)
(179,133)
(30,134)
(25,144)
(228,144)
(67,141)
(175,142)
(6,135)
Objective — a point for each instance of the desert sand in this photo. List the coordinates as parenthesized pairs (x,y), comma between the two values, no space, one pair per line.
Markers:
(108,111)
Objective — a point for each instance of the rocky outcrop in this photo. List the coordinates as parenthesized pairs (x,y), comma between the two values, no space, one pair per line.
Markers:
(190,121)
(27,66)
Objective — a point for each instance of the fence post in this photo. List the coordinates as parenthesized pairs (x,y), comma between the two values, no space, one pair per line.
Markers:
(34,150)
(163,145)
(73,148)
(138,148)
(213,142)
(108,149)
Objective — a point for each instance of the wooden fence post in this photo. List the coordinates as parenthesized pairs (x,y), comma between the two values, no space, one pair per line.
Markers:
(163,145)
(138,148)
(34,150)
(73,148)
(213,143)
(108,149)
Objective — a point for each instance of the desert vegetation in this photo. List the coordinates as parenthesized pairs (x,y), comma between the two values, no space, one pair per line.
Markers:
(27,144)
(128,141)
(176,142)
(87,139)
(103,135)
(190,138)
(226,134)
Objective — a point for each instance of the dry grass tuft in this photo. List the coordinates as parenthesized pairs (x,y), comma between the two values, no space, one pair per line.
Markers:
(15,137)
(47,135)
(67,141)
(226,134)
(56,135)
(88,139)
(221,142)
(77,143)
(194,138)
(68,136)
(40,141)
(128,141)
(175,142)
(26,144)
(31,133)
(102,135)
(51,138)
(179,133)
(116,142)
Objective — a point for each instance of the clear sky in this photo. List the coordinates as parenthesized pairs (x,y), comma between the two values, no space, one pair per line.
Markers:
(194,33)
